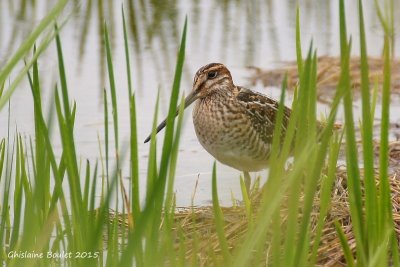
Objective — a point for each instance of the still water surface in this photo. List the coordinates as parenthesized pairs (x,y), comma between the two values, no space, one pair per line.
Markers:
(236,33)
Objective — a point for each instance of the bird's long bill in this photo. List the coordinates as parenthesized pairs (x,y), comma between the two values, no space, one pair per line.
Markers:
(188,101)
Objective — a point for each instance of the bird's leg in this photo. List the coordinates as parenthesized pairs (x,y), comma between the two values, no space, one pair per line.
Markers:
(247,182)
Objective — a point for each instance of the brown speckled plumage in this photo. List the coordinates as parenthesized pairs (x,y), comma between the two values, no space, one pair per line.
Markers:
(234,124)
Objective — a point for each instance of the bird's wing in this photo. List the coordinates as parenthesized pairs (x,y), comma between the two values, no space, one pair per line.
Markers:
(263,111)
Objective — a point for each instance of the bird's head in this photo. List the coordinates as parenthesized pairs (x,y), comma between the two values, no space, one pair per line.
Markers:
(208,80)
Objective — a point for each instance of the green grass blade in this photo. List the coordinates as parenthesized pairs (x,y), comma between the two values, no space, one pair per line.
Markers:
(103,210)
(277,171)
(152,163)
(395,249)
(277,139)
(386,214)
(379,257)
(271,201)
(1,89)
(127,55)
(374,99)
(135,198)
(42,187)
(303,129)
(302,133)
(219,219)
(166,156)
(298,42)
(39,120)
(112,88)
(66,131)
(43,45)
(93,189)
(28,43)
(134,159)
(311,183)
(151,214)
(18,190)
(312,110)
(169,129)
(86,187)
(386,20)
(348,255)
(174,158)
(247,201)
(106,135)
(371,206)
(276,243)
(113,100)
(354,185)
(4,236)
(325,196)
(2,155)
(343,31)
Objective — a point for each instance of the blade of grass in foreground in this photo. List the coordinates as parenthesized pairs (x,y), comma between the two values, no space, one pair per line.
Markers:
(65,118)
(353,172)
(169,129)
(134,163)
(24,49)
(152,162)
(147,226)
(35,206)
(314,174)
(106,138)
(219,219)
(112,89)
(385,203)
(371,200)
(67,128)
(2,153)
(348,255)
(246,201)
(256,237)
(42,181)
(169,252)
(1,89)
(272,197)
(158,196)
(57,171)
(276,238)
(169,197)
(304,135)
(114,105)
(325,196)
(17,203)
(298,42)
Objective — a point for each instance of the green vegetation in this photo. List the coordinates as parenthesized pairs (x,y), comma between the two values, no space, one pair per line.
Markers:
(49,202)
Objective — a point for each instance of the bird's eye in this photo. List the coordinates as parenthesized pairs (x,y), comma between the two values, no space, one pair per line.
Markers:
(212,74)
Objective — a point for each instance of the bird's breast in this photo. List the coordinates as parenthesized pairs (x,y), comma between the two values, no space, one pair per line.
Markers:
(217,123)
(227,133)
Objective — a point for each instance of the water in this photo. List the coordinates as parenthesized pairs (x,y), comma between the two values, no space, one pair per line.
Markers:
(236,33)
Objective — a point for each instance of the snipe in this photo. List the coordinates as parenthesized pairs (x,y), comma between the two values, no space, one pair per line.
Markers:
(234,124)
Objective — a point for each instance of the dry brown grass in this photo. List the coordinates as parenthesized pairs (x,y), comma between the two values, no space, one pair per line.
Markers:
(196,225)
(328,75)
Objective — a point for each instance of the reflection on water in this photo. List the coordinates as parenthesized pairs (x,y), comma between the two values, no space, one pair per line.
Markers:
(237,33)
